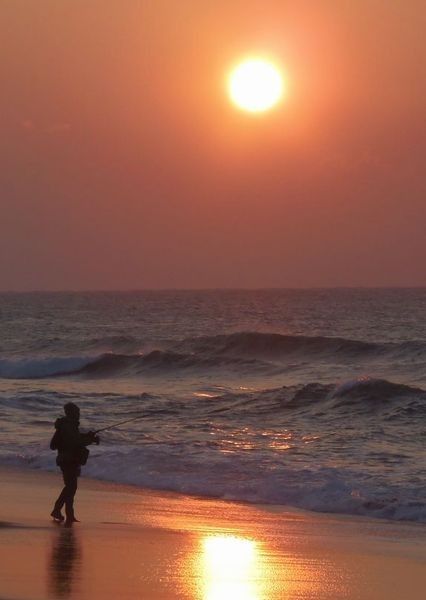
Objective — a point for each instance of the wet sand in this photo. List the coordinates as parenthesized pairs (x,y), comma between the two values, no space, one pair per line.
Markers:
(135,543)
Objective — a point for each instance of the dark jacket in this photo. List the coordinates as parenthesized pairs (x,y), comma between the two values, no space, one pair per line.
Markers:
(70,443)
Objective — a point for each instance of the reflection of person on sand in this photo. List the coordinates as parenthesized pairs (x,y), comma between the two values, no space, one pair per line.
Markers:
(64,558)
(72,453)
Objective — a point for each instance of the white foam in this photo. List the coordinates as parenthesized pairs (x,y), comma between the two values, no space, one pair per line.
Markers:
(321,489)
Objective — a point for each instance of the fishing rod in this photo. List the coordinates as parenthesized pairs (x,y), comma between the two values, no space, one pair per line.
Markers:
(119,423)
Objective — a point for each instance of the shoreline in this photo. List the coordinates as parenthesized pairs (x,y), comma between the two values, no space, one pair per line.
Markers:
(134,542)
(93,482)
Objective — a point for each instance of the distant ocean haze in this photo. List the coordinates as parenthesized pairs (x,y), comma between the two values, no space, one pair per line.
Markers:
(312,398)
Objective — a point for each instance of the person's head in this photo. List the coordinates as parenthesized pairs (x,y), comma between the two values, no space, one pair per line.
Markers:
(71,410)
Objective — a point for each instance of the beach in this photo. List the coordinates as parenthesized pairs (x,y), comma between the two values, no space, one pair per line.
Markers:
(137,543)
(272,447)
(212,300)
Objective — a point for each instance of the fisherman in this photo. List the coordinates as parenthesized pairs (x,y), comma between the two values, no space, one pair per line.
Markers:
(72,454)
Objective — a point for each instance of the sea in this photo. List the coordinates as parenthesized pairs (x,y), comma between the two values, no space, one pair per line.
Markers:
(314,399)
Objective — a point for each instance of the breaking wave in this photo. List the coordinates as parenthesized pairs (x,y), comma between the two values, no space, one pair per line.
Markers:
(362,395)
(275,345)
(244,350)
(38,368)
(374,390)
(111,364)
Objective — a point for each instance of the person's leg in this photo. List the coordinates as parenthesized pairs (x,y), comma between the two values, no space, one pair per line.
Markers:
(70,478)
(56,512)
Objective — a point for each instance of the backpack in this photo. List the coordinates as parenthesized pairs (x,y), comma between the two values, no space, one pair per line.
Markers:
(83,455)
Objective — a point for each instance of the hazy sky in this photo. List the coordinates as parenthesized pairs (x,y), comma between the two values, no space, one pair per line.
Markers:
(124,165)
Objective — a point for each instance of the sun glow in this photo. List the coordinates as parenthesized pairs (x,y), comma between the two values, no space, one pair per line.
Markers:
(255,85)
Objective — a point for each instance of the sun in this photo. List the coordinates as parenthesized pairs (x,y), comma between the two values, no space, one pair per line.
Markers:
(255,85)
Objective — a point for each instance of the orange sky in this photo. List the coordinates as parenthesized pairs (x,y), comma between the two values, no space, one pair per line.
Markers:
(124,165)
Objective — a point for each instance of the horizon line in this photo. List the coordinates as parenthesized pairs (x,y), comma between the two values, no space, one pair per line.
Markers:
(211,289)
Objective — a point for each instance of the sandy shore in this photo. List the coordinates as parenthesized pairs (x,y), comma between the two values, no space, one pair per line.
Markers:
(143,544)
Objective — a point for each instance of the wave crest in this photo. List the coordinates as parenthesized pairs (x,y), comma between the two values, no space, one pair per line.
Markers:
(38,368)
(261,352)
(273,345)
(375,390)
(110,364)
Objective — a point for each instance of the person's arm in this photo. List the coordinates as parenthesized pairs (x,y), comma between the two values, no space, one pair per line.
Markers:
(72,439)
(86,439)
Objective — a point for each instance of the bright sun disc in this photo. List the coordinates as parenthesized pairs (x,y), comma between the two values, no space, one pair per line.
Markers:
(255,85)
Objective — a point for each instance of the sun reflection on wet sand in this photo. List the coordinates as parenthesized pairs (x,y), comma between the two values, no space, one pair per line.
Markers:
(236,551)
(230,568)
(237,565)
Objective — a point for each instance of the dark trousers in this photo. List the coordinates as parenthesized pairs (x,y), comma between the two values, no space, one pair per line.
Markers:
(70,474)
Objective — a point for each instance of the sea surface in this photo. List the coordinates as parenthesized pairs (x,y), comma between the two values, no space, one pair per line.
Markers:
(309,398)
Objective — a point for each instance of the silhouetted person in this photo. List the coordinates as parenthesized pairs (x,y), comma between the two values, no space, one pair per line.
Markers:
(72,453)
